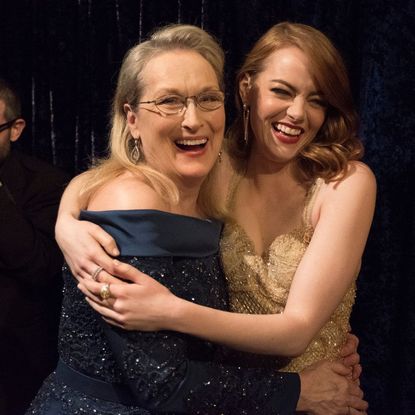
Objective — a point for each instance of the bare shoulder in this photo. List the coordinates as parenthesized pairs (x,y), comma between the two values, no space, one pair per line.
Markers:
(358,177)
(355,191)
(360,169)
(126,191)
(78,181)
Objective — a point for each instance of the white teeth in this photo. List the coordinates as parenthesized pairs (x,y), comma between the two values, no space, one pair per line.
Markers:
(288,130)
(192,142)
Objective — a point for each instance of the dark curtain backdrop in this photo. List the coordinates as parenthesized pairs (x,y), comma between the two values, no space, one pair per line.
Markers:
(64,56)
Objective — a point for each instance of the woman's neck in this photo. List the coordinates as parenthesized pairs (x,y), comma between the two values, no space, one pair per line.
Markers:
(188,197)
(266,176)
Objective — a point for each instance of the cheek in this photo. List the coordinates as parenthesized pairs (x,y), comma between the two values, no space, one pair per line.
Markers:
(159,130)
(318,118)
(264,110)
(218,122)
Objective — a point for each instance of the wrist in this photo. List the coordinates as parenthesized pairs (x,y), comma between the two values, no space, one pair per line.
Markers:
(61,221)
(302,401)
(305,401)
(178,311)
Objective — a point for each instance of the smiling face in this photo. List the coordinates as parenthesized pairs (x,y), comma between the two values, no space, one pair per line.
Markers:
(286,108)
(184,146)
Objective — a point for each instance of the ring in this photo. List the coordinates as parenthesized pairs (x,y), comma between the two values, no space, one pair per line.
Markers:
(96,273)
(105,292)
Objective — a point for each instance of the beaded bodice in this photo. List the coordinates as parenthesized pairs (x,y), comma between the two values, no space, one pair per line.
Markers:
(260,284)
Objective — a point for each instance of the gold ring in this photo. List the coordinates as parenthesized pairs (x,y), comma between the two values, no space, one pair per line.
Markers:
(96,273)
(105,292)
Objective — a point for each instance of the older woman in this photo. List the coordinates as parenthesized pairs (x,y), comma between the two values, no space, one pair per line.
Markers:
(300,206)
(167,130)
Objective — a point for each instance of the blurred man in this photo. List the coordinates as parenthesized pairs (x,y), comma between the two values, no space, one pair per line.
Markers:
(30,263)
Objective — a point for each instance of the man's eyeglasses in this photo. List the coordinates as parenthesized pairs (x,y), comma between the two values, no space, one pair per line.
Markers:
(7,125)
(175,104)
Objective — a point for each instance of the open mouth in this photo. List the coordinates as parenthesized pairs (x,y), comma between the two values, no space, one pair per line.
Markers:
(191,145)
(288,131)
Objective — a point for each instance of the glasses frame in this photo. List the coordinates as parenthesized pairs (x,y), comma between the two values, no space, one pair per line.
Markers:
(184,101)
(7,125)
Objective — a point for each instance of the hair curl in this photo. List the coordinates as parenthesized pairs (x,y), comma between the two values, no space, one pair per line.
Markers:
(336,143)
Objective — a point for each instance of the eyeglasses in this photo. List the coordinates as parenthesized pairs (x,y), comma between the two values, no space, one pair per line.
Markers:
(7,125)
(174,104)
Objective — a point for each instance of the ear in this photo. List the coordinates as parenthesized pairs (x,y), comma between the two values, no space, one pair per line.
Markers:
(132,121)
(245,87)
(17,129)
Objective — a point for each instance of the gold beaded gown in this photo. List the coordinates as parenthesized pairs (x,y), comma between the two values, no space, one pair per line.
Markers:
(259,284)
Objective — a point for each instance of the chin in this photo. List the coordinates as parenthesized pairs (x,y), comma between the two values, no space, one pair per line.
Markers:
(193,176)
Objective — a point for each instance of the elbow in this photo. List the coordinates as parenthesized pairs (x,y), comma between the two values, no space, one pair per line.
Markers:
(299,335)
(298,347)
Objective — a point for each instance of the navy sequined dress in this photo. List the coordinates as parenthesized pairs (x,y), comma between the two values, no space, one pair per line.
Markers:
(105,370)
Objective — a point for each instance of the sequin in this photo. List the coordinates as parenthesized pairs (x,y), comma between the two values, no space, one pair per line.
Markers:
(167,372)
(260,285)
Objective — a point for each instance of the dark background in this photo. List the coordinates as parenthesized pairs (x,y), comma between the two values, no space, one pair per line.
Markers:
(64,56)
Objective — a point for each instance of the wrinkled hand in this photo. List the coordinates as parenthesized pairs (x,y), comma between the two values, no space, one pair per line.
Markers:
(326,390)
(144,305)
(350,357)
(86,246)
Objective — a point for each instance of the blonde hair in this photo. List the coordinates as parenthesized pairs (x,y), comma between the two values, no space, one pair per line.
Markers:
(129,90)
(336,143)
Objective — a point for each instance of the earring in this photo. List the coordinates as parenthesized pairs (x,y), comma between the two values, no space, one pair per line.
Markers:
(220,157)
(246,123)
(135,152)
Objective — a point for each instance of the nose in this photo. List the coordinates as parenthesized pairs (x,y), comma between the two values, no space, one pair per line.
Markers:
(296,109)
(192,119)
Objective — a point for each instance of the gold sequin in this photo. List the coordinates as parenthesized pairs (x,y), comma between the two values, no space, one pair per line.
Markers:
(260,284)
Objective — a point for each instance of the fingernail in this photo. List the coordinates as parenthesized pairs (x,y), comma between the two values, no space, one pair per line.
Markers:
(115,252)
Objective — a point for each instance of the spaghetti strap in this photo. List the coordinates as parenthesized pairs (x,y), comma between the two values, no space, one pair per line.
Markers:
(310,200)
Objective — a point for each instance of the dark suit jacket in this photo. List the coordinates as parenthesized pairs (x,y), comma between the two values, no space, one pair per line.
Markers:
(30,268)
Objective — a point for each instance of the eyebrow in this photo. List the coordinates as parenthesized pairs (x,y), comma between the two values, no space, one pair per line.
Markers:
(175,91)
(288,85)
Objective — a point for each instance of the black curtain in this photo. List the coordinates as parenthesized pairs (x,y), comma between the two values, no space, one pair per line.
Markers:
(64,56)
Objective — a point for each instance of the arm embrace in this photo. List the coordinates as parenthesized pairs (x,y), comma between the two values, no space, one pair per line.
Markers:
(342,218)
(85,245)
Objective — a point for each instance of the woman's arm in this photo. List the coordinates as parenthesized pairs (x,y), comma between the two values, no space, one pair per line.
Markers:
(86,246)
(161,378)
(325,386)
(325,273)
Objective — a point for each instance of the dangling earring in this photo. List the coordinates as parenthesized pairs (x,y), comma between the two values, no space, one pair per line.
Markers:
(220,157)
(135,152)
(246,123)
